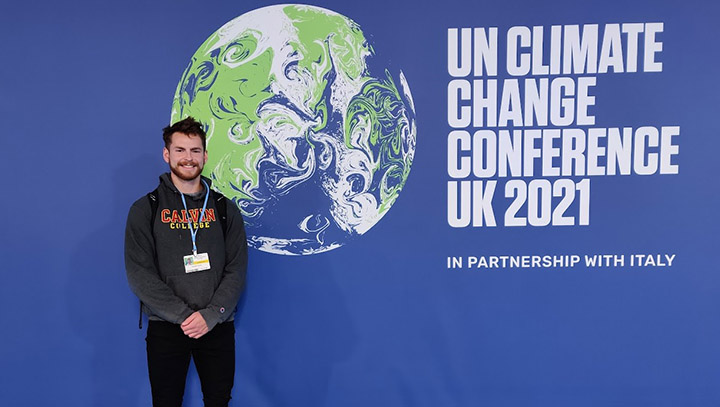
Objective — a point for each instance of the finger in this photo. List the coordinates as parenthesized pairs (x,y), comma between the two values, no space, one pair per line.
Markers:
(189,329)
(189,319)
(198,331)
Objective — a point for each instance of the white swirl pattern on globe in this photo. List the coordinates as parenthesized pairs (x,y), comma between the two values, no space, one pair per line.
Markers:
(304,135)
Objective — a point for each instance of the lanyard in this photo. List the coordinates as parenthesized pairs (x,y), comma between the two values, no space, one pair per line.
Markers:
(193,232)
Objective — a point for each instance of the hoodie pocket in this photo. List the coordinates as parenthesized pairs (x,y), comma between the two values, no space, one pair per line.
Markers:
(196,289)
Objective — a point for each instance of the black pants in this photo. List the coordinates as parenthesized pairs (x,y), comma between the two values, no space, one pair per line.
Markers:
(169,352)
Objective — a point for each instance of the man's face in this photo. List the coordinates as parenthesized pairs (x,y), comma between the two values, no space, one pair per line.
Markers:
(185,155)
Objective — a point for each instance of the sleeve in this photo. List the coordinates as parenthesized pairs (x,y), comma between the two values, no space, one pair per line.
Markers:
(142,273)
(232,283)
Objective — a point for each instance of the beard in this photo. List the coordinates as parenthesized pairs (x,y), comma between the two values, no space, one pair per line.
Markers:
(186,174)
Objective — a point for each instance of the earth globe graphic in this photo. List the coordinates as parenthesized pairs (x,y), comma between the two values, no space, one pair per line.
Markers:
(308,133)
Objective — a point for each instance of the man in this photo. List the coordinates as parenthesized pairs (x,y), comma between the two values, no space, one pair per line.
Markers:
(187,265)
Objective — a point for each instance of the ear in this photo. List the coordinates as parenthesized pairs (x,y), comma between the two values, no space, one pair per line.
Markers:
(166,155)
(205,159)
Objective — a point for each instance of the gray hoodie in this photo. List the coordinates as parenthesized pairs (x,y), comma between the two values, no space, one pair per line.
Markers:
(154,257)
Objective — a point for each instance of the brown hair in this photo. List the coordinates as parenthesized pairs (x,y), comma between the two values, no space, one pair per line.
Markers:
(188,126)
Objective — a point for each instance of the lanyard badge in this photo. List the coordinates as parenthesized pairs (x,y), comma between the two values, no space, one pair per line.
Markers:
(196,261)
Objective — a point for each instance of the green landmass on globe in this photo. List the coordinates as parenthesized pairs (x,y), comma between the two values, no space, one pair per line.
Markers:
(307,139)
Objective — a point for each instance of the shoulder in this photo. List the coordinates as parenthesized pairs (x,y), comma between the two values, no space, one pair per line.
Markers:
(142,203)
(140,209)
(229,209)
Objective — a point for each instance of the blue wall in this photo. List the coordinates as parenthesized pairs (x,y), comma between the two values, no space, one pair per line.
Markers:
(382,321)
